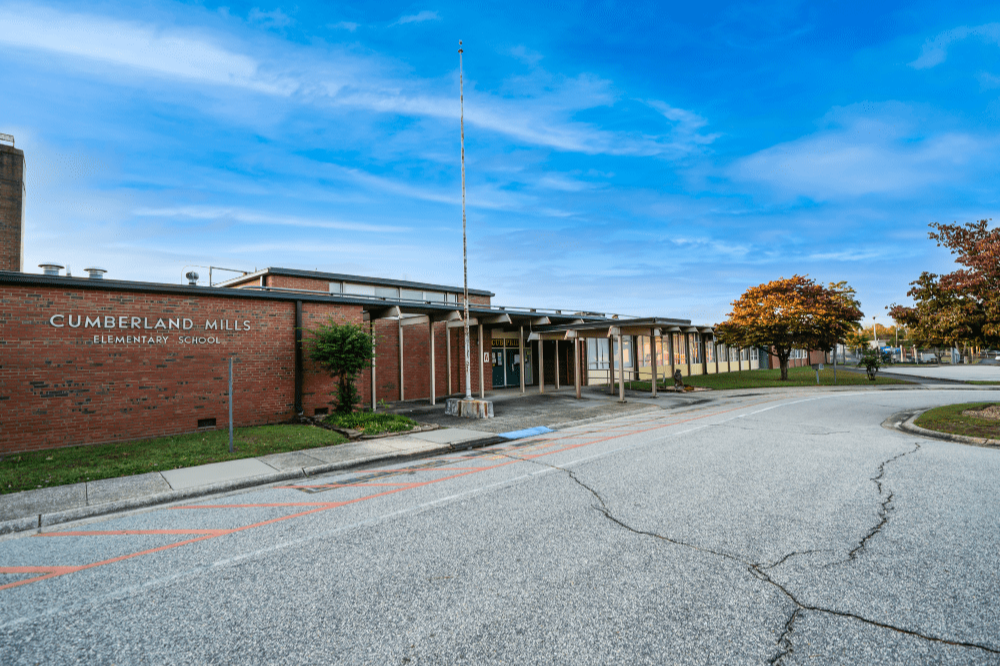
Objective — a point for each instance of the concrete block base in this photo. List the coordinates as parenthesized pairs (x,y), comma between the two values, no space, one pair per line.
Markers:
(469,408)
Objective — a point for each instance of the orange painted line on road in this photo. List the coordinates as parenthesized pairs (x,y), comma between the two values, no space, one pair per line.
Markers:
(239,505)
(321,507)
(164,531)
(645,430)
(47,573)
(30,569)
(338,486)
(427,469)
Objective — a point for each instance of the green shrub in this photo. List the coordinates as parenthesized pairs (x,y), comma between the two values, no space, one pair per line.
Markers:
(344,350)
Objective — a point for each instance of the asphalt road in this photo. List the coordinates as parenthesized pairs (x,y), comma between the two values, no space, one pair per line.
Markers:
(775,527)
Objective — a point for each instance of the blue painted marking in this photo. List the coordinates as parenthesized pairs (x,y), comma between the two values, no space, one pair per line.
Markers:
(525,433)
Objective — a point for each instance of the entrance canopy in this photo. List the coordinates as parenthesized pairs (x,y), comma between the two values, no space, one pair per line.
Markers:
(639,326)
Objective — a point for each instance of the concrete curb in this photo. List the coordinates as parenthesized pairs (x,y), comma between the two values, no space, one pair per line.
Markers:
(910,427)
(90,511)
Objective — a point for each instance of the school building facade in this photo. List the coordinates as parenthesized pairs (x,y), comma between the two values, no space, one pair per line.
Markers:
(86,360)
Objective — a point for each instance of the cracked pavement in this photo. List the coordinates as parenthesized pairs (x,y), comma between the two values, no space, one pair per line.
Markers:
(782,528)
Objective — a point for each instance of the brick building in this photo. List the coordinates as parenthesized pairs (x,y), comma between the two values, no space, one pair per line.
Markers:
(91,360)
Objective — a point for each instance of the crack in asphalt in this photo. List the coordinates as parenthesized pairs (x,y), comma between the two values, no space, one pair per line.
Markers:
(884,510)
(760,574)
(785,640)
(759,570)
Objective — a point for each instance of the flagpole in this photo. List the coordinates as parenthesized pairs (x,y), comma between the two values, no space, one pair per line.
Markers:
(465,257)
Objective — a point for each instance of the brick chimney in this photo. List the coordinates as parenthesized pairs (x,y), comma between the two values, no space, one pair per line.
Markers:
(11,205)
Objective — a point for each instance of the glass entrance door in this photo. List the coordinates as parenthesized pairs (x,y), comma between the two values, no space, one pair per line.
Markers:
(513,366)
(497,357)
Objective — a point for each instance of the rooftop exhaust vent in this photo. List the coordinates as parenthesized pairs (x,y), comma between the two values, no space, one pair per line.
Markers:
(192,277)
(51,268)
(95,273)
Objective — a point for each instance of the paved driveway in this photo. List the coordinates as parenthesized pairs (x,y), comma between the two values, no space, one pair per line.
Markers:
(962,373)
(786,527)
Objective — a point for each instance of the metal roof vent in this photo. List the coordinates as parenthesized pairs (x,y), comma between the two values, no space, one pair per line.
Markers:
(192,277)
(51,268)
(96,273)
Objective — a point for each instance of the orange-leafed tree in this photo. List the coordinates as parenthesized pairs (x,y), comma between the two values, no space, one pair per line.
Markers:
(962,306)
(791,313)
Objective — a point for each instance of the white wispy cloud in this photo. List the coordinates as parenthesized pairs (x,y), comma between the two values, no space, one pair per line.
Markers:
(172,53)
(542,111)
(272,19)
(226,214)
(419,17)
(526,55)
(935,51)
(867,155)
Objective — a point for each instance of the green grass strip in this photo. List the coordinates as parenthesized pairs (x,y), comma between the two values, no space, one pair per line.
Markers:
(69,465)
(949,419)
(372,423)
(803,376)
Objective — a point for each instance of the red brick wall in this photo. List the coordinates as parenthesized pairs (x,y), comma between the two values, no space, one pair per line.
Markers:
(59,387)
(318,387)
(11,208)
(292,282)
(815,357)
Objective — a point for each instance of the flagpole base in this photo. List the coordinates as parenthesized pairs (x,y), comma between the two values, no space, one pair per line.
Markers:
(469,408)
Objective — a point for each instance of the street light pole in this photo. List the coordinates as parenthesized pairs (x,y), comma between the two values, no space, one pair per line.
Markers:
(465,257)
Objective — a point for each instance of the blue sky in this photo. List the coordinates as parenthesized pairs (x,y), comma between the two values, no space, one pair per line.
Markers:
(644,158)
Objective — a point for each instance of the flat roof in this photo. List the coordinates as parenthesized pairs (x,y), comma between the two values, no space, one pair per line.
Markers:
(408,307)
(346,277)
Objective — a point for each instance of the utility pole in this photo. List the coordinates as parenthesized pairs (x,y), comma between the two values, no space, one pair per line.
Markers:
(465,256)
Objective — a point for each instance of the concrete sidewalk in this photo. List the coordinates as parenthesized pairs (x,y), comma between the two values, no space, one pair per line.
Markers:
(35,509)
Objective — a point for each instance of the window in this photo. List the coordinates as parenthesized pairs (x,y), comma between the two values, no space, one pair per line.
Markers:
(360,290)
(433,296)
(680,356)
(387,292)
(597,353)
(411,295)
(646,346)
(626,351)
(336,288)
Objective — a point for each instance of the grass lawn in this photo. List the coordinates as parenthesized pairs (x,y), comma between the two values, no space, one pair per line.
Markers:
(372,423)
(949,419)
(804,376)
(87,463)
(989,382)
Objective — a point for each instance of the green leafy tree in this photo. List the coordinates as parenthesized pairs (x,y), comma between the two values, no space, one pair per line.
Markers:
(791,313)
(344,350)
(962,307)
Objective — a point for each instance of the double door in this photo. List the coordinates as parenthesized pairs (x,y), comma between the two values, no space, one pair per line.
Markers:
(507,366)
